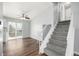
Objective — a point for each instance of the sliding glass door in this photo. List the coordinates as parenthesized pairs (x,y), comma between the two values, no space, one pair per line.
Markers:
(15,30)
(19,30)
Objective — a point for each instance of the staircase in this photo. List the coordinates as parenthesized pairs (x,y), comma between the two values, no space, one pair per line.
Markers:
(58,42)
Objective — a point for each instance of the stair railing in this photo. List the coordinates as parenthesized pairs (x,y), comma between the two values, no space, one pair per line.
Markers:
(42,35)
(46,39)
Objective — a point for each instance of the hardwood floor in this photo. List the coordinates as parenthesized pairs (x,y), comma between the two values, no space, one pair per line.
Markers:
(76,54)
(21,47)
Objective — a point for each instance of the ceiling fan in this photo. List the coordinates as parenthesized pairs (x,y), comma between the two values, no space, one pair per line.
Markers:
(24,16)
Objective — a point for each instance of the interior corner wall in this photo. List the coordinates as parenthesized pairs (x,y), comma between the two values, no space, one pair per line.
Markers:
(37,23)
(45,17)
(75,10)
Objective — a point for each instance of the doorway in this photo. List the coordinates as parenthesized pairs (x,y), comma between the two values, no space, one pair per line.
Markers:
(65,11)
(14,30)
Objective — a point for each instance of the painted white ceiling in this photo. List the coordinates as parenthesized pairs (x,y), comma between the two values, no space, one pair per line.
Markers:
(15,9)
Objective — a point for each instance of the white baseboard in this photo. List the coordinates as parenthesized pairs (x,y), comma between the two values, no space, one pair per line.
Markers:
(11,38)
(76,52)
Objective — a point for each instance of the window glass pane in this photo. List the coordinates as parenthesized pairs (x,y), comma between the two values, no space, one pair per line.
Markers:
(19,29)
(19,26)
(12,29)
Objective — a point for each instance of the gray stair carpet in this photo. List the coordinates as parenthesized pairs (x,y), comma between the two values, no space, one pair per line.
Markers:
(58,42)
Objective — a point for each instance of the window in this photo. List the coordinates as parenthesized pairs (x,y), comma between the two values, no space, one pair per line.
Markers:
(15,30)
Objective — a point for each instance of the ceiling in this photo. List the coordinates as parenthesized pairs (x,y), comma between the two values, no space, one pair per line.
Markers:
(32,9)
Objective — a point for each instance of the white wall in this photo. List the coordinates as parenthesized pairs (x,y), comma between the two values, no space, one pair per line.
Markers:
(62,12)
(1,9)
(76,46)
(48,16)
(26,28)
(1,25)
(75,9)
(1,37)
(5,31)
(68,13)
(55,14)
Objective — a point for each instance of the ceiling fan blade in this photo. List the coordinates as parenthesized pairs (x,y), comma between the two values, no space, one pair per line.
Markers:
(27,18)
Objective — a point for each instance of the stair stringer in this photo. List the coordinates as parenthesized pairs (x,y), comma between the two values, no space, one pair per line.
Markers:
(70,40)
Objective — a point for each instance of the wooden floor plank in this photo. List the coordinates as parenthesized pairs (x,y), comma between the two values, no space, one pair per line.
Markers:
(21,47)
